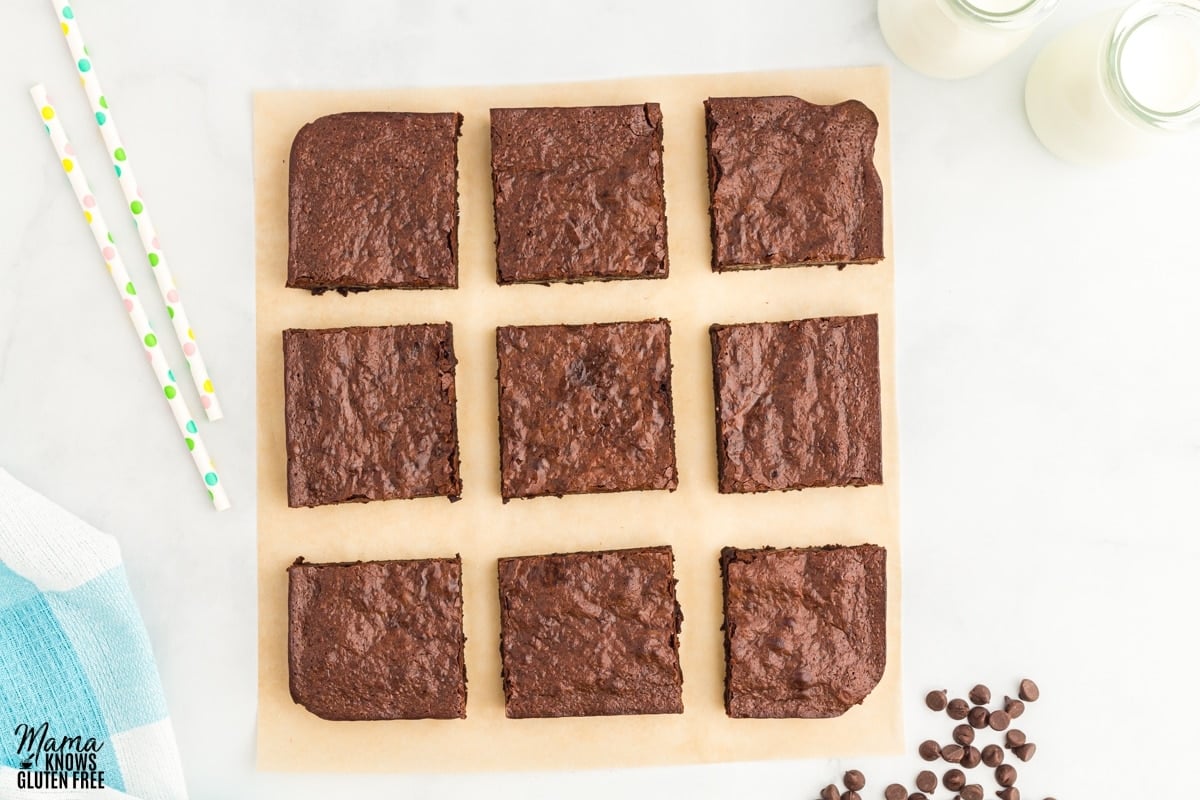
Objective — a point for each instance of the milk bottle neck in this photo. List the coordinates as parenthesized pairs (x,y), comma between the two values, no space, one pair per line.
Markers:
(1151,65)
(1000,15)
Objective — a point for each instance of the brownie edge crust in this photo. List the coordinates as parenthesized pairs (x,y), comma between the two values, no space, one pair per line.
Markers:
(590,634)
(792,183)
(578,193)
(377,639)
(805,629)
(373,202)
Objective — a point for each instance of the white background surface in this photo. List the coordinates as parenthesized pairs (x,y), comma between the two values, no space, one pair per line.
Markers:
(1048,351)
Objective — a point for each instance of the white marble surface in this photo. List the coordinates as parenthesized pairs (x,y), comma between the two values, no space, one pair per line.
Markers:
(1050,398)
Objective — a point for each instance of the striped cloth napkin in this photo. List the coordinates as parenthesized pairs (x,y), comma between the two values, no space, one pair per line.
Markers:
(79,690)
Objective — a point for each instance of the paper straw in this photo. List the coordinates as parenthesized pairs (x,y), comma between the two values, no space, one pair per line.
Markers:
(137,315)
(137,205)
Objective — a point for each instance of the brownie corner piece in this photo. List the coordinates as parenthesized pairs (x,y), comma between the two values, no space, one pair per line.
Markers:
(370,414)
(590,634)
(377,640)
(812,384)
(792,183)
(585,409)
(805,629)
(578,193)
(373,202)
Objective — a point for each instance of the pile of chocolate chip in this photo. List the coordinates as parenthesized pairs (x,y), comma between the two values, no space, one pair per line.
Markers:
(963,751)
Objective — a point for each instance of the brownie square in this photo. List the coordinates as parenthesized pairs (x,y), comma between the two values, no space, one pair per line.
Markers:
(590,634)
(805,629)
(792,183)
(377,639)
(370,414)
(373,202)
(585,408)
(578,193)
(797,404)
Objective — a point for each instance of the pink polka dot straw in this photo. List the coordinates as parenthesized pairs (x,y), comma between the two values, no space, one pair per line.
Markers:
(85,66)
(129,297)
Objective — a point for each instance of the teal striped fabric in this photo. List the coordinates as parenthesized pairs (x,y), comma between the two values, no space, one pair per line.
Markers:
(44,676)
(81,703)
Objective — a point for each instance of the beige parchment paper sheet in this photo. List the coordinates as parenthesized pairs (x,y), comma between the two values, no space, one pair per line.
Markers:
(696,520)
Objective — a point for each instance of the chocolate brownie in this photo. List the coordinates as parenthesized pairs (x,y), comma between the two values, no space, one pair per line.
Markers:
(590,634)
(377,639)
(373,202)
(797,404)
(370,414)
(578,193)
(585,408)
(805,629)
(792,183)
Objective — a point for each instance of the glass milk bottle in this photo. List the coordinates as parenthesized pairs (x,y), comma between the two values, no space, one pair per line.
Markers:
(1118,85)
(958,38)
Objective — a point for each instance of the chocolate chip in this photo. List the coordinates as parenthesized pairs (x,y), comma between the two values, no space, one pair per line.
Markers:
(971,757)
(926,781)
(917,796)
(972,791)
(954,779)
(936,700)
(1028,691)
(1013,706)
(952,753)
(831,792)
(895,792)
(1011,793)
(854,780)
(980,695)
(929,750)
(1006,775)
(964,734)
(978,717)
(957,708)
(1025,751)
(851,795)
(993,755)
(998,720)
(1014,738)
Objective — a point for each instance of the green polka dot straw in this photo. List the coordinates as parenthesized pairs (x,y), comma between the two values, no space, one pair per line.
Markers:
(133,307)
(86,67)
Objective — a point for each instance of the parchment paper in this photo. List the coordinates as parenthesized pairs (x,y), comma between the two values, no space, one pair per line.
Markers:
(696,520)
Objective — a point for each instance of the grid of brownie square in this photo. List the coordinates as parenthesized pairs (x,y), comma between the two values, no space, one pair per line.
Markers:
(797,404)
(378,639)
(578,193)
(370,414)
(585,408)
(792,183)
(805,629)
(373,202)
(590,634)
(578,196)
